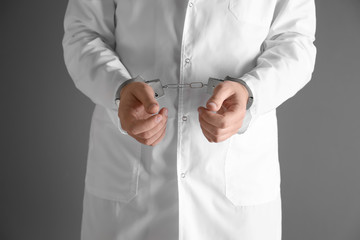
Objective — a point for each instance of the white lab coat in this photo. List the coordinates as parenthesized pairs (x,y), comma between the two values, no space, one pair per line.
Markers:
(186,187)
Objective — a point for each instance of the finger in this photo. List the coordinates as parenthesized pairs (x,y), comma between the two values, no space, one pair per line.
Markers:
(206,133)
(216,139)
(220,94)
(151,140)
(218,132)
(230,118)
(213,118)
(215,131)
(157,128)
(154,138)
(142,125)
(209,127)
(160,138)
(145,94)
(223,137)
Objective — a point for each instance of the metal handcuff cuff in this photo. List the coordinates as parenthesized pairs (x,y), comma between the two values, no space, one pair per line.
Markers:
(159,88)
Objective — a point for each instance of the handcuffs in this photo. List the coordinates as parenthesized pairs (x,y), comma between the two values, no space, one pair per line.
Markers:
(159,88)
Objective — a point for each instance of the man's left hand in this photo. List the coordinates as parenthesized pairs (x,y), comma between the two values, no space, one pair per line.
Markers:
(224,112)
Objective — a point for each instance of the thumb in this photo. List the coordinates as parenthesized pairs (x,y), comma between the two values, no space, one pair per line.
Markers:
(145,94)
(220,94)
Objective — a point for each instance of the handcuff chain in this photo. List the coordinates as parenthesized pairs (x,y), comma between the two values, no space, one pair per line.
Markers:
(184,85)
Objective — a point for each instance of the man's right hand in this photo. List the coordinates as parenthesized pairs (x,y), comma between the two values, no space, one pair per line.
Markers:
(139,114)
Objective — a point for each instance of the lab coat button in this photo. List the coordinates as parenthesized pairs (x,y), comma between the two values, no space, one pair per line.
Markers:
(183,175)
(191,4)
(184,118)
(187,60)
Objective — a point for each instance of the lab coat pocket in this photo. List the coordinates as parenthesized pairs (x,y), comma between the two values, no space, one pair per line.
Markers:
(113,160)
(255,12)
(251,168)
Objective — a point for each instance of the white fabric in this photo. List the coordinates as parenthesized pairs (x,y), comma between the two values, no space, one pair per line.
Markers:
(192,187)
(104,219)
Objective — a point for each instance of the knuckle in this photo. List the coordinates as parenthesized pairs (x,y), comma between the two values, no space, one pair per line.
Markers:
(145,135)
(217,139)
(163,129)
(226,123)
(130,130)
(148,141)
(161,124)
(157,141)
(223,124)
(208,138)
(217,132)
(215,99)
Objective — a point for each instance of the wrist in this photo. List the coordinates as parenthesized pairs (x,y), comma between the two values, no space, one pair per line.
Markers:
(122,86)
(249,99)
(244,93)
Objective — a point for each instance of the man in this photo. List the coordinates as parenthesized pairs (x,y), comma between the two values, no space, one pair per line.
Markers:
(186,157)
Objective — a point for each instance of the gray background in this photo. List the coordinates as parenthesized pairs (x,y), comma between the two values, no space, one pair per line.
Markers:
(45,125)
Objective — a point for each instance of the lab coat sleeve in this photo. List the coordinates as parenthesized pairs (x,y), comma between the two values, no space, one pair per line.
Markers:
(288,57)
(89,54)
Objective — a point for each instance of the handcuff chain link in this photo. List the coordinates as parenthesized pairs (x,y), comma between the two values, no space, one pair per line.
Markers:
(184,85)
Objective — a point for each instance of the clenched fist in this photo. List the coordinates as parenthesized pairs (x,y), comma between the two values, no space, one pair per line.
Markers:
(139,114)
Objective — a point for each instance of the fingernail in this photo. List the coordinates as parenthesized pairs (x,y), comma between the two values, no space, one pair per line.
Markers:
(166,112)
(213,105)
(158,118)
